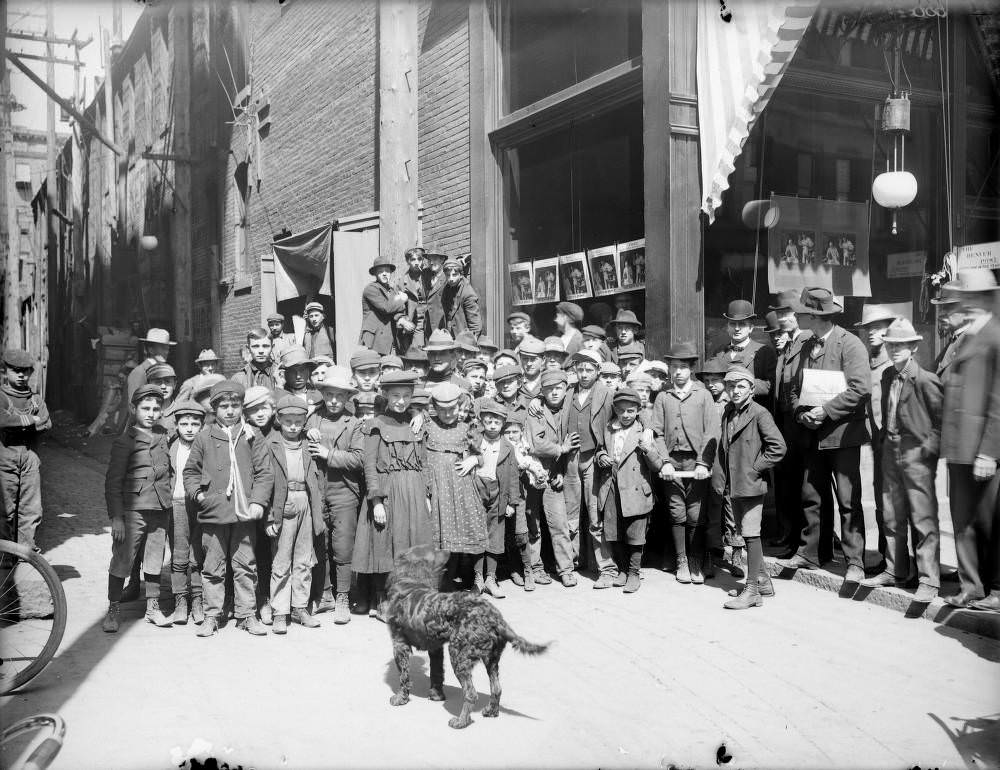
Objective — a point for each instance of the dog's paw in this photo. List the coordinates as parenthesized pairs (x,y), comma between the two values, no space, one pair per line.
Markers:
(491,710)
(436,694)
(458,723)
(399,699)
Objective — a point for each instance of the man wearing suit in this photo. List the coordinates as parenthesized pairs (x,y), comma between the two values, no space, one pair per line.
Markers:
(459,302)
(748,353)
(410,326)
(910,441)
(838,429)
(434,283)
(970,442)
(382,307)
(952,324)
(586,412)
(789,472)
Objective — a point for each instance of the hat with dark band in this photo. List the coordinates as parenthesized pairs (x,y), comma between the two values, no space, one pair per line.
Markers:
(771,322)
(626,317)
(158,336)
(739,310)
(415,354)
(786,300)
(487,345)
(467,341)
(818,302)
(901,330)
(206,355)
(593,332)
(440,339)
(147,391)
(682,351)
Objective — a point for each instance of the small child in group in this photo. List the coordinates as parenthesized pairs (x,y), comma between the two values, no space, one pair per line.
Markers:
(366,367)
(23,417)
(137,490)
(452,454)
(625,495)
(474,370)
(165,378)
(555,353)
(296,368)
(499,489)
(228,474)
(336,441)
(750,445)
(320,365)
(364,405)
(185,537)
(531,474)
(258,409)
(296,516)
(720,512)
(399,513)
(611,375)
(686,428)
(659,377)
(640,382)
(630,361)
(201,392)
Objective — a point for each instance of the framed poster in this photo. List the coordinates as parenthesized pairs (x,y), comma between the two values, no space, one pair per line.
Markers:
(632,264)
(604,270)
(574,277)
(522,286)
(546,275)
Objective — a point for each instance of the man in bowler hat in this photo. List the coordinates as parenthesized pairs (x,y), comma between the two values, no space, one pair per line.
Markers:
(748,353)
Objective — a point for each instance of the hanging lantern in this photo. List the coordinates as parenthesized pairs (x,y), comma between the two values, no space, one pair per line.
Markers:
(149,242)
(894,189)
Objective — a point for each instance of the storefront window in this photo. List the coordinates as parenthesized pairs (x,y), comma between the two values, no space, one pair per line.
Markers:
(576,189)
(551,46)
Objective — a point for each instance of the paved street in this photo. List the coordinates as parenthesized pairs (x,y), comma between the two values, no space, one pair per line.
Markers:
(660,678)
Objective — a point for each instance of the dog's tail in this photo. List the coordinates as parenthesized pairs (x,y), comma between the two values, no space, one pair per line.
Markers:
(522,645)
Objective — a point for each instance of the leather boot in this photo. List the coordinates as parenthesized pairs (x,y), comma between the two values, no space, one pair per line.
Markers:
(683,571)
(197,610)
(529,580)
(342,612)
(209,626)
(764,585)
(154,615)
(326,603)
(301,616)
(492,587)
(749,597)
(180,616)
(111,623)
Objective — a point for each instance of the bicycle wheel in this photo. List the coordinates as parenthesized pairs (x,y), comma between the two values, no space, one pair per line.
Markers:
(32,614)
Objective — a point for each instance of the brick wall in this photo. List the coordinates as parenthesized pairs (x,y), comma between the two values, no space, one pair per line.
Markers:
(316,63)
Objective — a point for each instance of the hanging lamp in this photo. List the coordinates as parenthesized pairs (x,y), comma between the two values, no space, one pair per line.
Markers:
(895,187)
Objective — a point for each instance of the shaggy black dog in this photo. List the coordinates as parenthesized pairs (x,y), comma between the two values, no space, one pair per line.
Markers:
(419,615)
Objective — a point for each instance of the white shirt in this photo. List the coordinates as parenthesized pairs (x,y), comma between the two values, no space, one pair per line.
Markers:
(490,451)
(183,452)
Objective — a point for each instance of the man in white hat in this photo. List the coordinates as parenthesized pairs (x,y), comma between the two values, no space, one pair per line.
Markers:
(207,363)
(875,321)
(157,344)
(318,337)
(970,442)
(909,441)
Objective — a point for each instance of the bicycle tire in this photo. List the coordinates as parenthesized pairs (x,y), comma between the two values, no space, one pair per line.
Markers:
(54,585)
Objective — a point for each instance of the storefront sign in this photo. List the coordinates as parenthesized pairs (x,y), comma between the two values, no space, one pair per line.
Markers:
(905,264)
(819,243)
(979,255)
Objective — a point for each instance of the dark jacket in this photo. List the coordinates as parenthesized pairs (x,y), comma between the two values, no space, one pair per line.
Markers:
(314,482)
(631,472)
(460,309)
(699,421)
(918,411)
(138,475)
(379,311)
(600,411)
(508,478)
(545,436)
(845,424)
(759,358)
(346,441)
(207,471)
(250,376)
(787,370)
(972,398)
(319,342)
(14,403)
(433,307)
(416,298)
(749,446)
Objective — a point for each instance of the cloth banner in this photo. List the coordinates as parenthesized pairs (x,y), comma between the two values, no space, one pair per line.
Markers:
(740,63)
(819,243)
(302,263)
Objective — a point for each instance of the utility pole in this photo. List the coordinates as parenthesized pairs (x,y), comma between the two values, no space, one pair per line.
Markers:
(8,241)
(41,304)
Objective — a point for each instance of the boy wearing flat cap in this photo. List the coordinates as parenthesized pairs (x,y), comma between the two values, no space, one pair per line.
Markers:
(23,416)
(750,445)
(911,408)
(137,490)
(296,516)
(551,444)
(280,340)
(228,474)
(337,442)
(318,338)
(625,494)
(569,316)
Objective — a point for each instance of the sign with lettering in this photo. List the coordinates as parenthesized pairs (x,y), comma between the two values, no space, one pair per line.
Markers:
(905,264)
(979,255)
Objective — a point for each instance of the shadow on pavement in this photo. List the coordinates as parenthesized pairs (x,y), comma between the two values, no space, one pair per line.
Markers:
(985,648)
(976,739)
(421,685)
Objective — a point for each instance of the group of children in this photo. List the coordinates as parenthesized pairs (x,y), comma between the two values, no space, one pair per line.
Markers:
(282,499)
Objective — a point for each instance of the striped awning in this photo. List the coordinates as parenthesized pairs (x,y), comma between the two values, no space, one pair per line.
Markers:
(739,65)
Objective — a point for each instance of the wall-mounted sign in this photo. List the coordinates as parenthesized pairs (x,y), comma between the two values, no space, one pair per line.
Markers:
(905,264)
(979,255)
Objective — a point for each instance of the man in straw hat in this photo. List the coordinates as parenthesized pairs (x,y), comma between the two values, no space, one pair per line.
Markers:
(381,307)
(910,439)
(970,442)
(837,430)
(157,343)
(875,321)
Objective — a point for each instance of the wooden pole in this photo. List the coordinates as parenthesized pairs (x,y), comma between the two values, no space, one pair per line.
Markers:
(109,193)
(41,302)
(180,239)
(10,234)
(397,135)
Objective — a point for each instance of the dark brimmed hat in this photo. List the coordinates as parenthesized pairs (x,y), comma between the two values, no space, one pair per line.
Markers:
(682,351)
(226,387)
(382,263)
(714,367)
(147,391)
(739,310)
(786,300)
(626,317)
(19,359)
(552,377)
(771,322)
(487,345)
(817,301)
(571,310)
(467,341)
